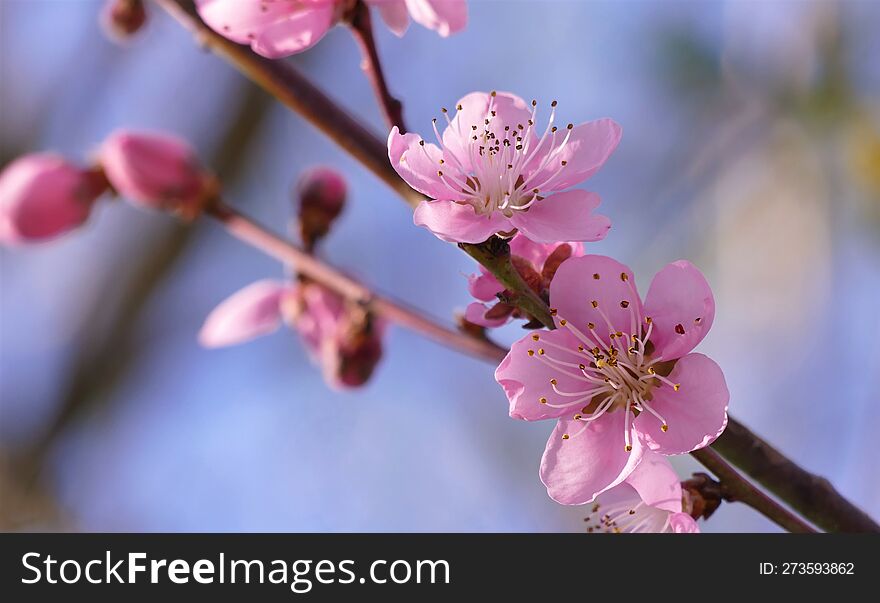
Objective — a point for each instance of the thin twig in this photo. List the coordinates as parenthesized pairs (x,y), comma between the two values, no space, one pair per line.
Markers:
(737,489)
(293,90)
(253,234)
(362,28)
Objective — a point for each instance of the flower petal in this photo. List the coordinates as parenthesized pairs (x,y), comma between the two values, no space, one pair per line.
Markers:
(394,13)
(588,148)
(696,413)
(443,16)
(657,483)
(563,217)
(596,278)
(526,378)
(299,32)
(476,314)
(681,305)
(418,164)
(682,523)
(484,286)
(510,111)
(273,29)
(457,222)
(577,469)
(245,315)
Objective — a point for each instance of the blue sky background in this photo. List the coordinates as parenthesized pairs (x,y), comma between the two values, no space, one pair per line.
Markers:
(737,154)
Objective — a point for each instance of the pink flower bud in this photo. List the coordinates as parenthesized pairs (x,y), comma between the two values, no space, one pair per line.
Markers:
(42,196)
(321,193)
(121,19)
(157,171)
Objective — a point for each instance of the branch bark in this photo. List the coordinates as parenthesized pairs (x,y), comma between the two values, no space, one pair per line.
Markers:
(736,489)
(253,234)
(292,89)
(362,28)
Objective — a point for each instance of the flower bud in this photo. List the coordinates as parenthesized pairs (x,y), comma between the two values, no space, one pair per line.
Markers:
(43,195)
(121,19)
(321,194)
(157,171)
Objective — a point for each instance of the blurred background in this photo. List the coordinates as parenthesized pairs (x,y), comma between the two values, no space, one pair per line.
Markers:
(751,146)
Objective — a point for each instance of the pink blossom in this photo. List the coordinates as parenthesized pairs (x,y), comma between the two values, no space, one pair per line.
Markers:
(158,171)
(492,172)
(43,196)
(536,264)
(618,374)
(650,499)
(340,337)
(279,28)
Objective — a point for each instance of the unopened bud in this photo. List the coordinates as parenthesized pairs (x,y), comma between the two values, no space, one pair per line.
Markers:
(321,195)
(121,19)
(157,171)
(43,196)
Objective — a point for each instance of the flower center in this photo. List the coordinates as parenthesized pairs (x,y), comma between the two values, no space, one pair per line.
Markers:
(617,371)
(502,168)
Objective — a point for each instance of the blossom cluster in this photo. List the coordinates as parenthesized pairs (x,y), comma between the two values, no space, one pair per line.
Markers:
(617,372)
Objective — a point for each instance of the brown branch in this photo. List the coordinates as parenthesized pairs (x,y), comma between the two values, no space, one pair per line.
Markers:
(810,495)
(734,488)
(293,90)
(253,234)
(362,28)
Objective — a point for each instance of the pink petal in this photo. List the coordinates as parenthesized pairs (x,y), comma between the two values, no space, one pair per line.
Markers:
(679,299)
(274,29)
(682,523)
(696,413)
(484,286)
(510,110)
(563,217)
(578,469)
(575,286)
(476,314)
(588,148)
(299,32)
(458,222)
(393,13)
(247,314)
(526,379)
(657,482)
(443,16)
(419,164)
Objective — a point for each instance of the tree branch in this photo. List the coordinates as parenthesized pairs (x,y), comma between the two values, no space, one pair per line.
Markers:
(293,90)
(362,29)
(810,495)
(253,234)
(736,489)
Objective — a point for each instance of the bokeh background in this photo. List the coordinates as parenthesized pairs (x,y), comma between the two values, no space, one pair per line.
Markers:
(750,146)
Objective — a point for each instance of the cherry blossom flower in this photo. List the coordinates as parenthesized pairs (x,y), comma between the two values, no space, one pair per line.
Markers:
(491,172)
(43,196)
(536,264)
(649,500)
(618,374)
(344,340)
(157,171)
(280,28)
